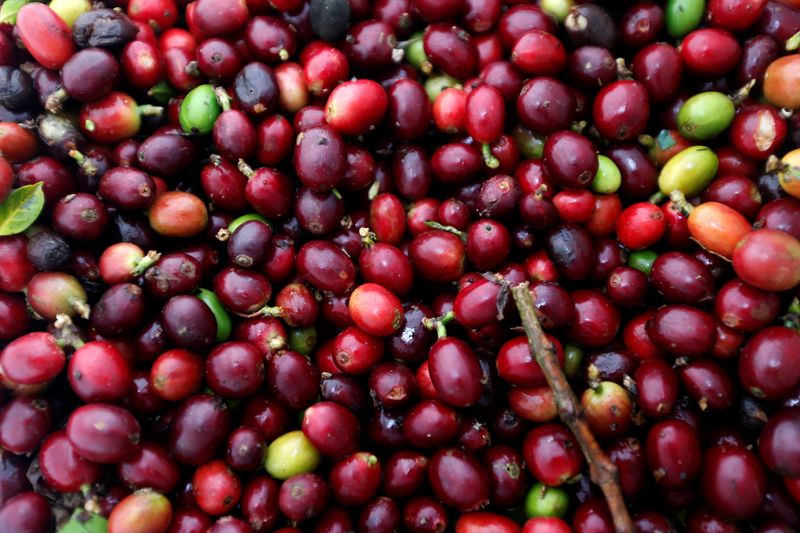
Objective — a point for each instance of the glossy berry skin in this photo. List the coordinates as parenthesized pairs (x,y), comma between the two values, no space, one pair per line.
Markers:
(45,35)
(570,159)
(24,422)
(331,428)
(733,481)
(216,488)
(62,468)
(455,372)
(697,55)
(27,512)
(539,53)
(682,330)
(32,359)
(767,363)
(104,433)
(640,225)
(621,110)
(551,454)
(99,373)
(485,114)
(777,444)
(362,466)
(375,310)
(673,453)
(355,107)
(458,479)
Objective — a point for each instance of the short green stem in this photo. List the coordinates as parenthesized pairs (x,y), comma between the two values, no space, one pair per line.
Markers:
(793,42)
(678,198)
(148,110)
(245,169)
(439,324)
(67,335)
(146,262)
(657,198)
(222,98)
(490,160)
(55,100)
(449,229)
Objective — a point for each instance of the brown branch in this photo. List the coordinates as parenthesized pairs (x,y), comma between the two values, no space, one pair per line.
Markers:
(602,471)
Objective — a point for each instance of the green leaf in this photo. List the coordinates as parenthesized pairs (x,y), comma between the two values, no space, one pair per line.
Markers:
(85,522)
(9,10)
(21,209)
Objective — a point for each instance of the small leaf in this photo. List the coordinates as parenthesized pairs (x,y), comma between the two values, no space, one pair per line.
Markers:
(85,522)
(21,209)
(9,10)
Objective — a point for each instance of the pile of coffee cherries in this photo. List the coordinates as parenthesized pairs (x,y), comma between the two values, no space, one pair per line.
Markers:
(256,261)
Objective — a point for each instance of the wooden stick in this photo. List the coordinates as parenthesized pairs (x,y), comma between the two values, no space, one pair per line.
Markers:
(602,471)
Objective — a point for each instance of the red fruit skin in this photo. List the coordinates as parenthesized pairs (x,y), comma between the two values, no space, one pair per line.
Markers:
(458,479)
(546,525)
(485,114)
(641,225)
(46,37)
(61,466)
(376,310)
(733,482)
(331,428)
(779,443)
(28,512)
(673,453)
(15,267)
(455,372)
(216,488)
(99,373)
(32,359)
(769,363)
(356,107)
(485,522)
(768,259)
(552,454)
(6,178)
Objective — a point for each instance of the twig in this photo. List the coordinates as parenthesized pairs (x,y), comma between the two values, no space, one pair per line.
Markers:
(602,471)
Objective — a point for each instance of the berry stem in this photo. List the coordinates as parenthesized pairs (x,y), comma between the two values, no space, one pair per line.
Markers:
(793,42)
(55,100)
(146,262)
(439,324)
(223,98)
(66,332)
(603,472)
(86,165)
(148,110)
(449,229)
(245,169)
(490,160)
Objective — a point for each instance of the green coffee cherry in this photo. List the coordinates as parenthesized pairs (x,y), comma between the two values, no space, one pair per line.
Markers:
(558,9)
(238,221)
(546,501)
(705,115)
(436,84)
(302,340)
(689,171)
(530,144)
(415,52)
(572,360)
(69,10)
(642,260)
(199,110)
(290,454)
(224,324)
(682,16)
(608,177)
